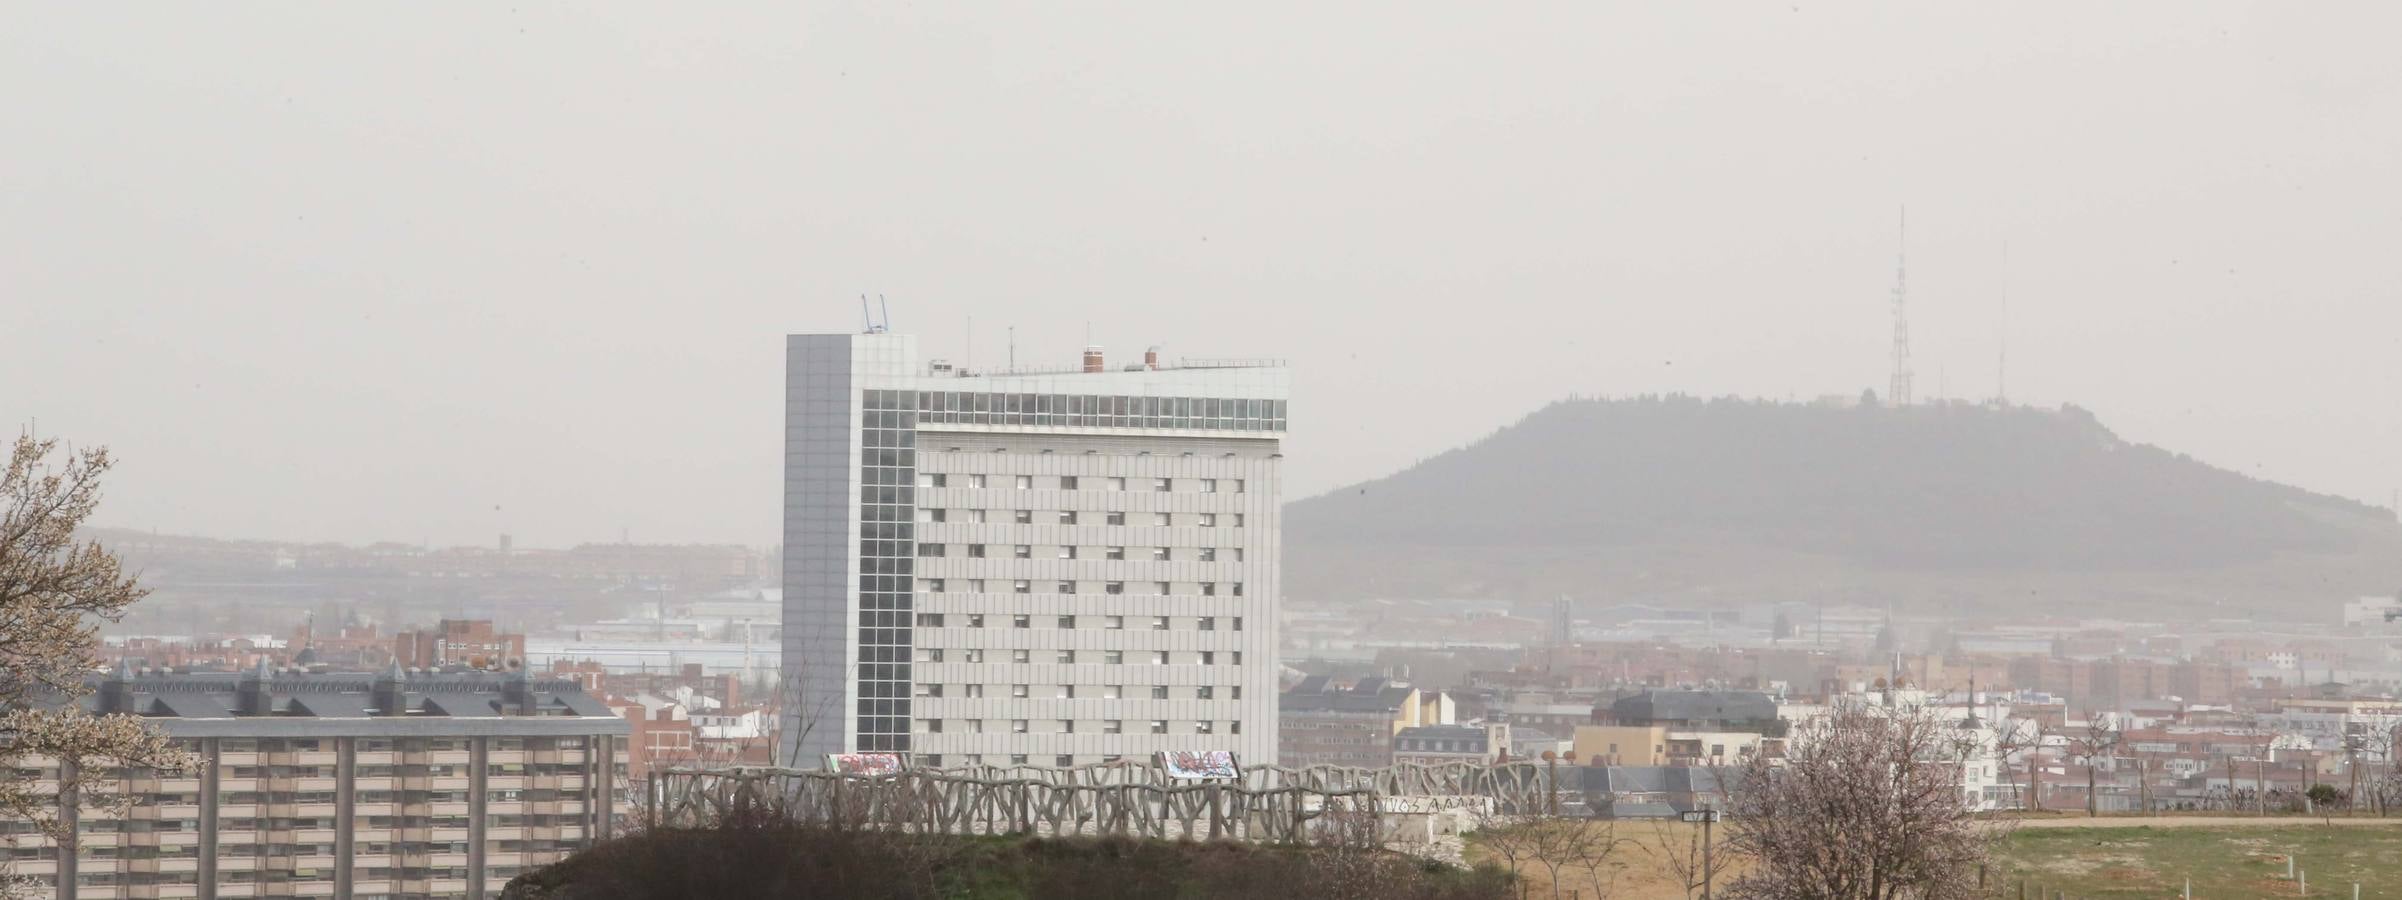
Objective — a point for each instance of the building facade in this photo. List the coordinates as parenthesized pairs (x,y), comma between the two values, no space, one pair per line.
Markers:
(330,785)
(1052,568)
(1322,724)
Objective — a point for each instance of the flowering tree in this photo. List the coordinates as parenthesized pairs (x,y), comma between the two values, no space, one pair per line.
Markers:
(54,590)
(1867,804)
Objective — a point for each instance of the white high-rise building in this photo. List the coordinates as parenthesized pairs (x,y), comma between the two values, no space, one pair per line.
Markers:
(1058,567)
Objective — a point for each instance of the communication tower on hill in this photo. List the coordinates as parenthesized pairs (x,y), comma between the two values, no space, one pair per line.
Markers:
(1898,393)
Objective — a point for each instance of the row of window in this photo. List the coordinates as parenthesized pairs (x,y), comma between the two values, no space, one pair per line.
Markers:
(1083,483)
(1066,726)
(932,515)
(1026,586)
(383,745)
(1107,692)
(1071,657)
(1097,411)
(1107,623)
(1070,551)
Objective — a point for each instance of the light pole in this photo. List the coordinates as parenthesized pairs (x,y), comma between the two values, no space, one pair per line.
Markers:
(1707,818)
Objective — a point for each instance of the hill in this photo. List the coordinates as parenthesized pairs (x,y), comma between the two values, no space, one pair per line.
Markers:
(1688,494)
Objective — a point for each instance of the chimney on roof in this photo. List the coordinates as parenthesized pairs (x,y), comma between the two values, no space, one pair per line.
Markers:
(517,694)
(1151,358)
(252,694)
(1092,358)
(116,694)
(390,699)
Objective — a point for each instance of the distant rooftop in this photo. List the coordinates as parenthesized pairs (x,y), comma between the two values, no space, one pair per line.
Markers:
(945,369)
(290,702)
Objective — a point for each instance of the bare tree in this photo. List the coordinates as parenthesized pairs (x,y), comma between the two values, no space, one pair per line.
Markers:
(54,590)
(2009,741)
(1679,848)
(1595,855)
(1868,805)
(2100,738)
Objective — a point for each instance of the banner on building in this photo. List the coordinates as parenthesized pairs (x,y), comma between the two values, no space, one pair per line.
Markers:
(868,765)
(1200,764)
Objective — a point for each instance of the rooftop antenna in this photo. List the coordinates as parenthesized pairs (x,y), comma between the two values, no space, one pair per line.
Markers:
(1013,348)
(1898,392)
(886,308)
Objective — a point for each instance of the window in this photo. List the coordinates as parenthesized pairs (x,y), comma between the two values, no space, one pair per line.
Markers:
(1159,658)
(1113,587)
(1067,517)
(1025,482)
(1209,554)
(1206,623)
(1017,726)
(1021,620)
(1065,692)
(1063,760)
(1113,726)
(1117,484)
(1115,518)
(1166,588)
(929,690)
(930,515)
(975,620)
(929,654)
(1113,692)
(929,585)
(933,550)
(1201,728)
(1238,485)
(1113,657)
(1209,657)
(1205,692)
(1159,553)
(1024,516)
(1067,482)
(1022,551)
(1067,621)
(932,480)
(1017,759)
(1162,485)
(1022,586)
(974,516)
(1238,588)
(974,655)
(929,620)
(1209,485)
(1066,657)
(1238,657)
(975,481)
(1237,691)
(1160,519)
(975,551)
(1067,726)
(1238,520)
(1159,726)
(1238,623)
(1021,656)
(1113,553)
(1159,623)
(1019,691)
(1114,623)
(1209,520)
(1209,588)
(1238,554)
(1067,553)
(976,691)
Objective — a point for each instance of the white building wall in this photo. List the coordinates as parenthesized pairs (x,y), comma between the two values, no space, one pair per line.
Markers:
(826,375)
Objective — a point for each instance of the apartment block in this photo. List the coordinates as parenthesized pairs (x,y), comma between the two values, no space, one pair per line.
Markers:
(1054,567)
(336,785)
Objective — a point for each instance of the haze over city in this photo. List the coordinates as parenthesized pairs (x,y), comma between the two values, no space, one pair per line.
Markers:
(342,273)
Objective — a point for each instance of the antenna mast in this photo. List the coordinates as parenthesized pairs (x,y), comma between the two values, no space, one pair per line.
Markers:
(1898,393)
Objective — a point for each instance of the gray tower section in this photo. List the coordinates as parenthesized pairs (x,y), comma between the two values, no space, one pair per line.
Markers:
(821,413)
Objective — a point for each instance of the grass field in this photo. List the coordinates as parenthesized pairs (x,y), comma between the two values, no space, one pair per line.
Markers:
(2233,861)
(2123,859)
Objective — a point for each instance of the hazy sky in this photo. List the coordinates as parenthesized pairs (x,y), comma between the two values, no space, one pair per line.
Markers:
(333,271)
